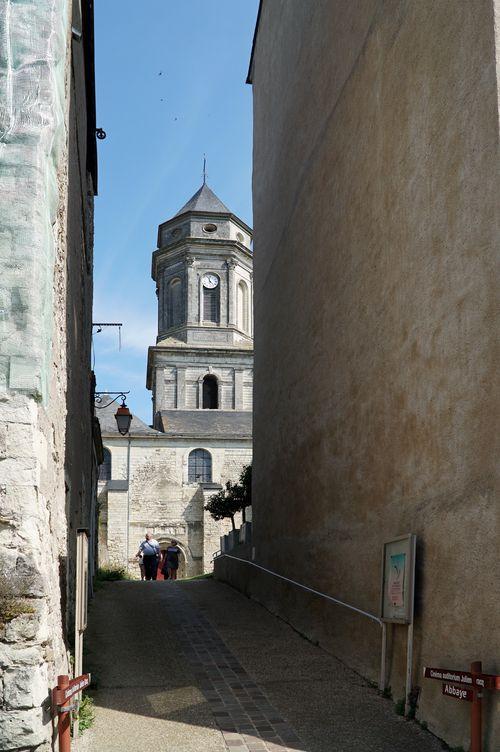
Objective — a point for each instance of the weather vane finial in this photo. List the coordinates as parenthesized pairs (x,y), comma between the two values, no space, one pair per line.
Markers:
(204,169)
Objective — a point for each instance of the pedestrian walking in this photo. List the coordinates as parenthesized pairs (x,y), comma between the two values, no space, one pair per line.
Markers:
(171,561)
(141,567)
(150,551)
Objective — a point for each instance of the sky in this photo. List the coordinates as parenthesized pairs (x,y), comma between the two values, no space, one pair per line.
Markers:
(170,87)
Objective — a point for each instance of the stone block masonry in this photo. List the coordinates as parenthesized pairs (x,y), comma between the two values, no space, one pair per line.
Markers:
(158,497)
(47,455)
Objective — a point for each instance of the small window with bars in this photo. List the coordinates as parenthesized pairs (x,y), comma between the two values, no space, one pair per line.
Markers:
(200,466)
(105,468)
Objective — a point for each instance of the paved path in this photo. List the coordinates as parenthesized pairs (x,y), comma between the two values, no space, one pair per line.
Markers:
(213,671)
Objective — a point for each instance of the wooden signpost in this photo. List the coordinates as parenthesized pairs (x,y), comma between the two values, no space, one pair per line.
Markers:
(468,686)
(61,696)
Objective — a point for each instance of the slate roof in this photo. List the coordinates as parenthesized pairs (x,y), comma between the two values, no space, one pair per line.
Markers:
(204,200)
(106,415)
(207,424)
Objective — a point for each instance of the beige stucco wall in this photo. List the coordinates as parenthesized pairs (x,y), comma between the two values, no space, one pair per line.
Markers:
(376,229)
(159,499)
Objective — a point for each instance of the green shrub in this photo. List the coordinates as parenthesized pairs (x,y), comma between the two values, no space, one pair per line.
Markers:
(11,608)
(399,707)
(12,602)
(86,714)
(111,574)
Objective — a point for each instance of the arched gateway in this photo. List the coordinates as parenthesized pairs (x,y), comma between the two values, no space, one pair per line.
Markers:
(165,541)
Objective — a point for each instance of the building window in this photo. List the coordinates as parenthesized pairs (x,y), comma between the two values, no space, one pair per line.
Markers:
(242,306)
(200,466)
(210,393)
(174,303)
(105,468)
(211,306)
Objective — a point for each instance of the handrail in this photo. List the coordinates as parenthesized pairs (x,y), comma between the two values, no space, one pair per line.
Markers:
(305,587)
(330,598)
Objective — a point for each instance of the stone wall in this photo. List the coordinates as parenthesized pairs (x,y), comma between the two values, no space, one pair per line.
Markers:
(160,499)
(46,453)
(376,229)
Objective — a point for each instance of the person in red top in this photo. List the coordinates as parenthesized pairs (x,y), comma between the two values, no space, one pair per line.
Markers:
(171,561)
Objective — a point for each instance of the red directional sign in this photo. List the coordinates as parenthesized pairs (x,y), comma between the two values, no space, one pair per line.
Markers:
(484,681)
(474,681)
(459,693)
(62,695)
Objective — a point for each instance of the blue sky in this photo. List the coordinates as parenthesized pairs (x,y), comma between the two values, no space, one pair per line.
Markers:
(158,128)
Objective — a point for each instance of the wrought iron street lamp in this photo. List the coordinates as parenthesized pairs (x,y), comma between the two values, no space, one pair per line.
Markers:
(123,416)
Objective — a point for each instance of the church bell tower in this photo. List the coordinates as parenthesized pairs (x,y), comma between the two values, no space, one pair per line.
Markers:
(203,355)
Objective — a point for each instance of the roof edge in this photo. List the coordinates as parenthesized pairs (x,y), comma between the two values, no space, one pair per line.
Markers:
(254,42)
(197,212)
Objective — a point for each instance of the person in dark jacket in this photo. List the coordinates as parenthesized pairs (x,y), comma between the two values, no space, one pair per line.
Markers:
(171,561)
(150,552)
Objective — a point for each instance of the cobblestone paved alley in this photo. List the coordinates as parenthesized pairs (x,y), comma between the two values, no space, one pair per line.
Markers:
(197,667)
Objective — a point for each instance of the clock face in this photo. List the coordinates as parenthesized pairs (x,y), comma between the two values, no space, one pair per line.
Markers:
(210,281)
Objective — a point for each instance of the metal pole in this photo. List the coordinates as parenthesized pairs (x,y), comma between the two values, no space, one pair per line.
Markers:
(77,671)
(128,507)
(409,667)
(63,725)
(383,660)
(475,719)
(409,643)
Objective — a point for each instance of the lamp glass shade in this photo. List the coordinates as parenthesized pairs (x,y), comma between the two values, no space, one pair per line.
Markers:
(123,418)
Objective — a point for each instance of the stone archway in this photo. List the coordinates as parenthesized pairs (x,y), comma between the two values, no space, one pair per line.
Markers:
(164,542)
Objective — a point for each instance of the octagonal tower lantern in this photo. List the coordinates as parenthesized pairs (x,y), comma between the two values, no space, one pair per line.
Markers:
(203,274)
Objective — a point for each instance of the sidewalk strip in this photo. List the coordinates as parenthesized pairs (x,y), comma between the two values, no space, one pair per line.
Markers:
(248,721)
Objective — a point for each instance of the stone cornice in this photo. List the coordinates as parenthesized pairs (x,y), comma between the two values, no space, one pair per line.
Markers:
(188,247)
(210,353)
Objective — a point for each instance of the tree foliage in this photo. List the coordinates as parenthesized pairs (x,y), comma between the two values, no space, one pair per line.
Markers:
(246,484)
(233,498)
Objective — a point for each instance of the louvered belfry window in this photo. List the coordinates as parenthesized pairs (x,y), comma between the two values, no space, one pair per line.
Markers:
(200,466)
(174,307)
(211,308)
(242,306)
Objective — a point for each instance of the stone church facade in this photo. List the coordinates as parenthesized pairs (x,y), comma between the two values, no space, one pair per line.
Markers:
(200,372)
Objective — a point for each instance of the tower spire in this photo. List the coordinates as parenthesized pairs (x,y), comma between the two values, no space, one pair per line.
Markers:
(204,169)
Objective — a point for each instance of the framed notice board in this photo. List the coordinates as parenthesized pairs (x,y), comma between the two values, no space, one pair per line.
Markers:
(397,592)
(82,578)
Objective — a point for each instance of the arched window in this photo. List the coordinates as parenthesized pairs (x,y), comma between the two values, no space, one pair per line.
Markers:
(210,393)
(174,303)
(199,466)
(211,304)
(105,468)
(242,306)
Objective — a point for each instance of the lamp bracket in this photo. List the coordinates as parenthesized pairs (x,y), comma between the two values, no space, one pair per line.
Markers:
(99,395)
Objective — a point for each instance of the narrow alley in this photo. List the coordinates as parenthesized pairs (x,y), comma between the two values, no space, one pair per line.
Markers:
(195,665)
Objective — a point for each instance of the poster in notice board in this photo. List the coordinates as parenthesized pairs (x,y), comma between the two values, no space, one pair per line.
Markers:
(398,580)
